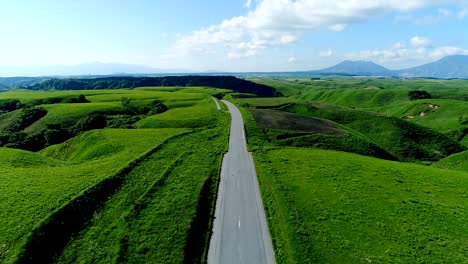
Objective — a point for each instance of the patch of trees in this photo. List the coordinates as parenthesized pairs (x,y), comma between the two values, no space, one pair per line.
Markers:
(418,95)
(27,117)
(155,107)
(8,105)
(15,137)
(224,82)
(61,100)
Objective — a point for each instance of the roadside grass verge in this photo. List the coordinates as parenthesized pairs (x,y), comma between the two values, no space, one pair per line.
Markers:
(334,207)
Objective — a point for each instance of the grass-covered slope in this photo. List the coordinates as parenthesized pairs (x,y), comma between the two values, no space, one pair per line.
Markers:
(334,207)
(157,214)
(33,185)
(457,161)
(198,115)
(280,128)
(404,140)
(108,143)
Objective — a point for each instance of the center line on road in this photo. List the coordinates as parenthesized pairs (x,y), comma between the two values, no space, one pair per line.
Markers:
(239,221)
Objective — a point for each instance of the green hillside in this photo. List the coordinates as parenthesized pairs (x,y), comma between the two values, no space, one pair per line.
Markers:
(34,185)
(198,115)
(457,161)
(402,139)
(153,216)
(68,182)
(334,207)
(286,129)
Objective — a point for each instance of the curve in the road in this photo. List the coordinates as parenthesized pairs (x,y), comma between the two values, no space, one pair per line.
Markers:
(240,231)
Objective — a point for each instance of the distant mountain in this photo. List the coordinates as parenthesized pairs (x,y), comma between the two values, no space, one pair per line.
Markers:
(92,68)
(449,67)
(366,68)
(17,82)
(4,87)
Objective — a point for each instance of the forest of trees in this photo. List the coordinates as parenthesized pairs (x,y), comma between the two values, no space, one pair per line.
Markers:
(225,82)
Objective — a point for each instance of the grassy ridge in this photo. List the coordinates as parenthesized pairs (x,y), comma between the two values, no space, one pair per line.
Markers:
(402,139)
(37,185)
(68,114)
(345,208)
(34,185)
(199,115)
(159,200)
(377,89)
(457,161)
(350,141)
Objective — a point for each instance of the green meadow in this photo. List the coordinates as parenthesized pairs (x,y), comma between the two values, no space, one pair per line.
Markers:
(352,170)
(336,207)
(171,163)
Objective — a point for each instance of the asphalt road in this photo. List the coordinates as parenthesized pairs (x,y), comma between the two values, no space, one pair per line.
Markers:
(240,231)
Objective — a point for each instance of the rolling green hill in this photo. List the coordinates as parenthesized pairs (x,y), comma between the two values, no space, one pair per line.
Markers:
(34,185)
(334,207)
(198,115)
(402,139)
(271,128)
(68,182)
(457,161)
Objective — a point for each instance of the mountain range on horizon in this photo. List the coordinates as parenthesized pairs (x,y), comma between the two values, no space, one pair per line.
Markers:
(455,66)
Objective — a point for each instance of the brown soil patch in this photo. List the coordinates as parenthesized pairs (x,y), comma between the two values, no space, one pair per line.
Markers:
(274,119)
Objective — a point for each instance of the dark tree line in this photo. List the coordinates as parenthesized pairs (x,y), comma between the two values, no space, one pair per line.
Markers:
(418,95)
(224,82)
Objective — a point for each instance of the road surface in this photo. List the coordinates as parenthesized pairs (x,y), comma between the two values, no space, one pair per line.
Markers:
(240,231)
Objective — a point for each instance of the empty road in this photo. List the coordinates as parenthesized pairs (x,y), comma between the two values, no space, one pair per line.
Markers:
(240,231)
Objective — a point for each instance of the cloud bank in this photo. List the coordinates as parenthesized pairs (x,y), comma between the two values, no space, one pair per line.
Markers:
(280,22)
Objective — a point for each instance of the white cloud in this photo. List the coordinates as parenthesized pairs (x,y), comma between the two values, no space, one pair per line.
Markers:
(463,13)
(248,3)
(447,51)
(418,41)
(326,53)
(280,22)
(399,53)
(292,59)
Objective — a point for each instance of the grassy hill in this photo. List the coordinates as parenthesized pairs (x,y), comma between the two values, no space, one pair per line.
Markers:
(68,183)
(457,161)
(34,185)
(156,216)
(335,207)
(374,92)
(271,128)
(198,115)
(404,140)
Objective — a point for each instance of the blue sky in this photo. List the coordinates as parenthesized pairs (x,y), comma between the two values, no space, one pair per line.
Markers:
(231,35)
